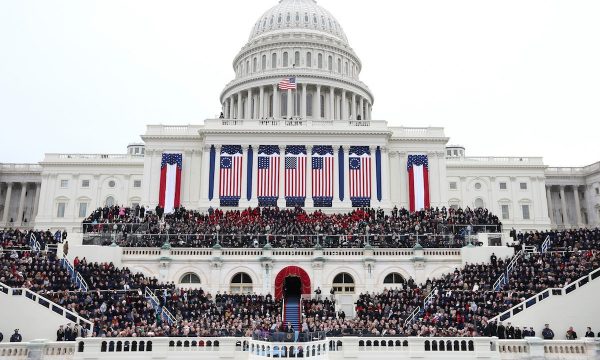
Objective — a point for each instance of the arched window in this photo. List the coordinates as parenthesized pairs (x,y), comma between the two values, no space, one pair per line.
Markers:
(479,203)
(320,61)
(263,62)
(254,64)
(330,63)
(241,283)
(273,61)
(285,59)
(343,283)
(394,278)
(297,59)
(339,66)
(309,59)
(110,201)
(247,67)
(190,278)
(322,106)
(346,70)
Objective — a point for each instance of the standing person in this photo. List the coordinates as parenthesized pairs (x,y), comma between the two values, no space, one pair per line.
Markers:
(571,334)
(16,337)
(318,293)
(66,248)
(60,334)
(501,331)
(589,333)
(547,333)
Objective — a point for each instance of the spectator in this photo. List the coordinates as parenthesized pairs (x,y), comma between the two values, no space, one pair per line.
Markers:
(16,337)
(589,333)
(571,334)
(60,333)
(547,333)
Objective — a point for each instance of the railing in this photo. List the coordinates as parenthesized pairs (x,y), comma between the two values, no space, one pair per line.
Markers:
(545,294)
(411,317)
(75,275)
(39,299)
(160,310)
(297,121)
(536,161)
(546,244)
(266,349)
(21,167)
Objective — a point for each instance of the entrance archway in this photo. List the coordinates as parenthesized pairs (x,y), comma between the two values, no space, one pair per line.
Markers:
(292,278)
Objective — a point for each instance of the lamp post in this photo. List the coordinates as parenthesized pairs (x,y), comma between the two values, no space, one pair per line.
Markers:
(268,229)
(367,229)
(218,228)
(114,243)
(167,240)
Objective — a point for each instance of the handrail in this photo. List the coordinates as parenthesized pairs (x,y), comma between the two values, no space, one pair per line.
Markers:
(75,275)
(161,310)
(546,244)
(51,305)
(527,303)
(410,318)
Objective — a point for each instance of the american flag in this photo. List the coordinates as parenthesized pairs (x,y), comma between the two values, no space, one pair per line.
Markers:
(230,176)
(360,173)
(288,83)
(268,172)
(295,171)
(322,172)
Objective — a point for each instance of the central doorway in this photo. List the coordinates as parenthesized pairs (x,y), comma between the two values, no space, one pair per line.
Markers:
(292,287)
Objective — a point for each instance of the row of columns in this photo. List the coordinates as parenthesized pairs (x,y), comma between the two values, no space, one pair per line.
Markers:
(385,184)
(563,206)
(6,220)
(337,105)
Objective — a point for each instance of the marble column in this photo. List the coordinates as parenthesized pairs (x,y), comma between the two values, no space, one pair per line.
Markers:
(317,109)
(577,206)
(261,111)
(550,206)
(7,202)
(361,108)
(308,181)
(276,114)
(36,201)
(344,105)
(290,104)
(303,104)
(563,204)
(353,107)
(239,105)
(21,204)
(249,105)
(331,113)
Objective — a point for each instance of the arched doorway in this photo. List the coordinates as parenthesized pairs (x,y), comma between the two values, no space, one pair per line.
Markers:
(292,280)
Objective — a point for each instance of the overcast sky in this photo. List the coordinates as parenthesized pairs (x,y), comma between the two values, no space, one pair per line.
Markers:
(504,78)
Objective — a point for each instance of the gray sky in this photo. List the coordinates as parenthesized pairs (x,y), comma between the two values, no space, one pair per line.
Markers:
(505,78)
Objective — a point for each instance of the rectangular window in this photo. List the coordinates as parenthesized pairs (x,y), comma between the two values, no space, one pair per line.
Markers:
(64,183)
(449,152)
(505,214)
(523,186)
(525,212)
(60,211)
(85,183)
(137,183)
(502,186)
(452,185)
(82,210)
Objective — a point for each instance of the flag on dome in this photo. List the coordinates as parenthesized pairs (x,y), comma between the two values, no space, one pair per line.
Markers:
(418,182)
(169,196)
(287,84)
(230,176)
(359,167)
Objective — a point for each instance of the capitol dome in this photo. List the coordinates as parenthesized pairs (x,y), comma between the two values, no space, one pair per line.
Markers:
(300,43)
(300,15)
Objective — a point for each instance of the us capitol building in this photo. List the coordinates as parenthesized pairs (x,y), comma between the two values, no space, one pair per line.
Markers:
(327,115)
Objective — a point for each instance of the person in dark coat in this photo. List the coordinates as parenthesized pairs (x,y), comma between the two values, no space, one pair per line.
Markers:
(589,333)
(547,333)
(60,334)
(510,331)
(16,337)
(501,331)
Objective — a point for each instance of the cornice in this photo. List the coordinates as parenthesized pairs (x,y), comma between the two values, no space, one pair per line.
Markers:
(292,132)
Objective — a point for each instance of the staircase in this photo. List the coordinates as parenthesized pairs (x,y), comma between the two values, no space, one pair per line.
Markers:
(161,311)
(291,313)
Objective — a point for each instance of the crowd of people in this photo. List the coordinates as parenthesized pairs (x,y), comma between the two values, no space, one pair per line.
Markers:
(460,303)
(16,239)
(255,227)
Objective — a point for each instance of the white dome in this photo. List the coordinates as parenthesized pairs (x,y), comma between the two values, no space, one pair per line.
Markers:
(304,15)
